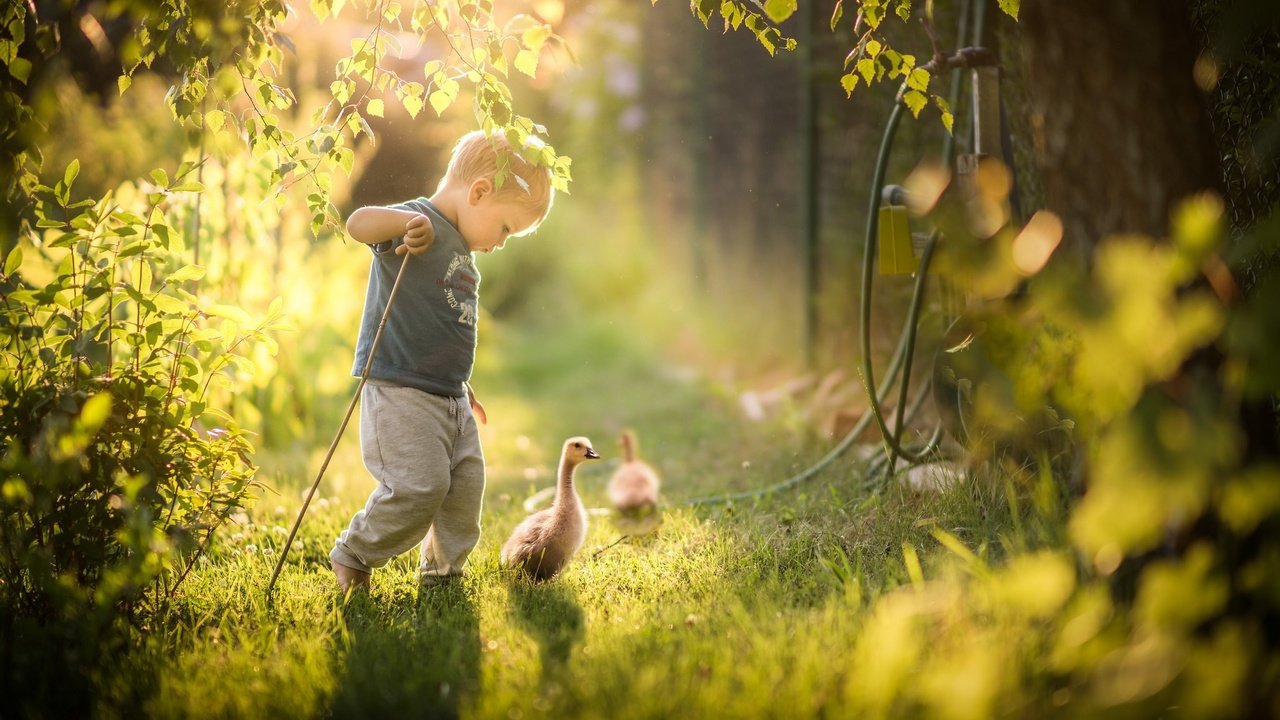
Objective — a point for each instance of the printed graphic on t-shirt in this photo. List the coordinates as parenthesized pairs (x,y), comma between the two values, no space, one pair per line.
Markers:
(460,286)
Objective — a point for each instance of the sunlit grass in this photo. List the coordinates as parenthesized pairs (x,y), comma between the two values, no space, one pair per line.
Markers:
(732,610)
(735,611)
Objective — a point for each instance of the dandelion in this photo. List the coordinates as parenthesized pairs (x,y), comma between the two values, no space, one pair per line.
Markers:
(250,549)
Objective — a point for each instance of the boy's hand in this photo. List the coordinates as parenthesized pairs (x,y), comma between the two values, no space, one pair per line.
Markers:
(418,235)
(476,408)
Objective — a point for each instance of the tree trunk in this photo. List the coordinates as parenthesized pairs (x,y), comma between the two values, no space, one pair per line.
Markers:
(1121,132)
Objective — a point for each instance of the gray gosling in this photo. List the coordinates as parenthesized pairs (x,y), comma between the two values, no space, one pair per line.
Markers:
(542,544)
(633,489)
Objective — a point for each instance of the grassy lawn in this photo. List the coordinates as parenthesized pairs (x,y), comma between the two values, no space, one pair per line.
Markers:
(746,610)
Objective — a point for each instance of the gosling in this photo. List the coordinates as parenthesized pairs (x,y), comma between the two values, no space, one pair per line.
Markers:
(633,489)
(543,543)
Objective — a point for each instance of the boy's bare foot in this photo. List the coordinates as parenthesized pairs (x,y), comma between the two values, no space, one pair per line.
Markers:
(349,578)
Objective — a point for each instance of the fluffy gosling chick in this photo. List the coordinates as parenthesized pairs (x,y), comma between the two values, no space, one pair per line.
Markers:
(542,544)
(633,489)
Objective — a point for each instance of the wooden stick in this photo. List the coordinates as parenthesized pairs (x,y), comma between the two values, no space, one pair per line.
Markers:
(364,376)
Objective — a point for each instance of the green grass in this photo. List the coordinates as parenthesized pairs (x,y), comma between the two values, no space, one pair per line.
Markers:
(746,610)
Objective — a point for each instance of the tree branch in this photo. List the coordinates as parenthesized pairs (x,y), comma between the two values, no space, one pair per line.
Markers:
(970,57)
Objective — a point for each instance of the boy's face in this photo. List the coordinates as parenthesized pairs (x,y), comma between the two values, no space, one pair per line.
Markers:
(486,219)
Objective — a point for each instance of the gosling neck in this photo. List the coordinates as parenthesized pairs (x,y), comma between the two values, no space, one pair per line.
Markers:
(565,487)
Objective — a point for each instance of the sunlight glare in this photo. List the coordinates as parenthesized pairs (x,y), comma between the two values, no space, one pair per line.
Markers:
(552,11)
(1037,241)
(925,186)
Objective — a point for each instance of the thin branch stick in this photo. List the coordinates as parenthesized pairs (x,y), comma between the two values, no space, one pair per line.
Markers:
(601,551)
(364,376)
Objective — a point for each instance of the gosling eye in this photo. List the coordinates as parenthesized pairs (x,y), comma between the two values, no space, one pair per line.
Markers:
(578,445)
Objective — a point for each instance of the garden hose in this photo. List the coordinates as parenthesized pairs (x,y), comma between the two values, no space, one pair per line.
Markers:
(893,440)
(904,354)
(364,376)
(854,433)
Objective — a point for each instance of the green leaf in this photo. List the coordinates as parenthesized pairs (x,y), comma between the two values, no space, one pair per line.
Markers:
(703,9)
(13,262)
(185,273)
(346,158)
(1010,7)
(849,81)
(341,90)
(768,38)
(527,62)
(145,275)
(123,82)
(96,410)
(732,13)
(160,177)
(170,305)
(894,58)
(779,10)
(918,79)
(364,125)
(73,170)
(376,108)
(867,67)
(230,312)
(214,119)
(24,297)
(915,101)
(20,69)
(413,104)
(439,100)
(534,38)
(948,120)
(836,14)
(873,13)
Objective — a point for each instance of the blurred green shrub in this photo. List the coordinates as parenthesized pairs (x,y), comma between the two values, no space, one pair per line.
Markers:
(1161,595)
(117,471)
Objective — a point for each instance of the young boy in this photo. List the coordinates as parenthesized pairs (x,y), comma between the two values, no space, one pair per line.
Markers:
(418,433)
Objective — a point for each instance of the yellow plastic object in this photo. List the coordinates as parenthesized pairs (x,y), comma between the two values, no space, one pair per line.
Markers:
(894,240)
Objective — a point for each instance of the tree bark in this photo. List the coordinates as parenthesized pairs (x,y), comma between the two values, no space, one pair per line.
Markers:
(1121,131)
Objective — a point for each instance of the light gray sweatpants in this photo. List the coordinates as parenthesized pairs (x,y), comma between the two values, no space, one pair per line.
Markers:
(424,451)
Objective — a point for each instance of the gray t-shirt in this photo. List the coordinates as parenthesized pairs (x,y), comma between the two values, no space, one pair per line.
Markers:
(429,342)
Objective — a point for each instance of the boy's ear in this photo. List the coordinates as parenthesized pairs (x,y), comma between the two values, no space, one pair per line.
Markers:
(479,189)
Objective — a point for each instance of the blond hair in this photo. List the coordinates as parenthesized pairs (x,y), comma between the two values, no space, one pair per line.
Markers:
(477,156)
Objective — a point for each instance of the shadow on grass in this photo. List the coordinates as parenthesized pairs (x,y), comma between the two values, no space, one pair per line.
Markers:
(550,613)
(418,656)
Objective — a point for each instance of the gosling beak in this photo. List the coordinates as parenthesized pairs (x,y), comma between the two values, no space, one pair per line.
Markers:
(592,454)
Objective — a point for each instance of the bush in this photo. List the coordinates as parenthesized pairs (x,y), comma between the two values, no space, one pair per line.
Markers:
(117,471)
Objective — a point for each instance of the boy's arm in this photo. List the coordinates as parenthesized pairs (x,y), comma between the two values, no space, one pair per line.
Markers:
(373,225)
